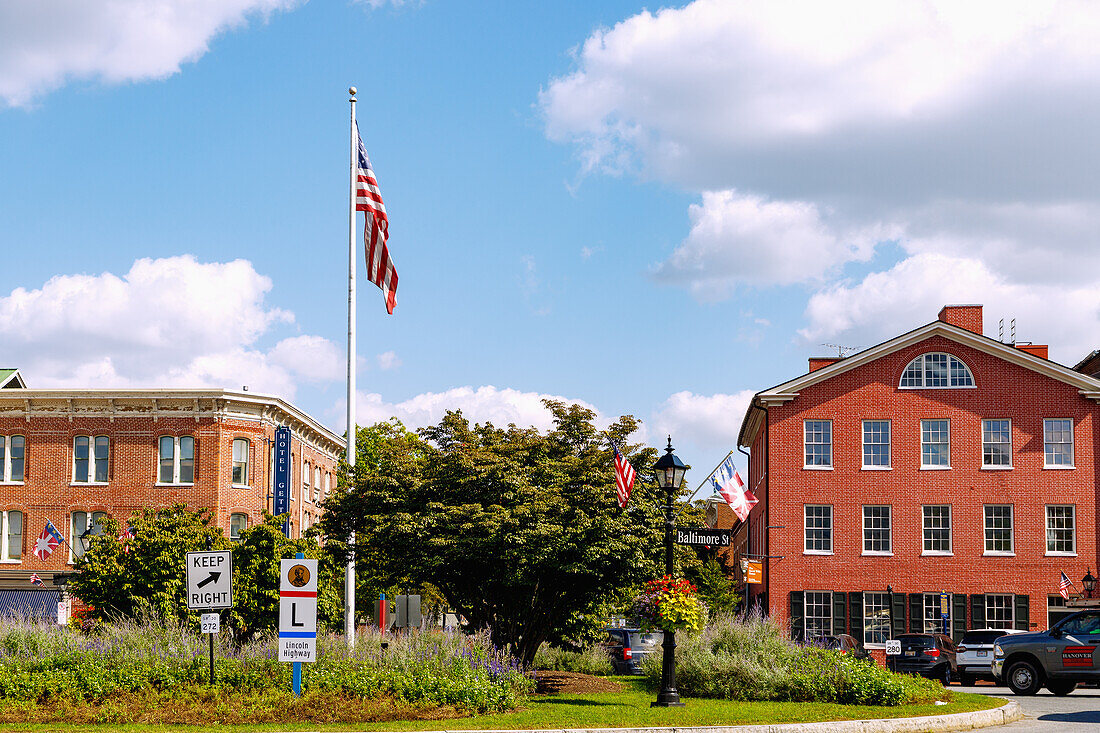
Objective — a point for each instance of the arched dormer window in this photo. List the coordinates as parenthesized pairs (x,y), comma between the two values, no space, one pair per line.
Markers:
(936,371)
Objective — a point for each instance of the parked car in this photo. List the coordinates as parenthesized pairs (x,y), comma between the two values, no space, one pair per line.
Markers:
(929,655)
(846,644)
(628,647)
(1061,657)
(974,654)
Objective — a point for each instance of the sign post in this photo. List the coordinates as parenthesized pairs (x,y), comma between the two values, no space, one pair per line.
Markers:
(298,614)
(210,587)
(945,610)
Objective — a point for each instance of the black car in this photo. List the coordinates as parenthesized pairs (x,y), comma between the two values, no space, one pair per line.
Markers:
(929,655)
(628,647)
(845,644)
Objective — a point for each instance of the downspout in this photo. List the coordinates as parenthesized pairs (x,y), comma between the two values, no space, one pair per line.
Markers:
(748,525)
(767,506)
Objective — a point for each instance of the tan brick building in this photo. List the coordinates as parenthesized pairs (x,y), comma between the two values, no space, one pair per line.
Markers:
(71,455)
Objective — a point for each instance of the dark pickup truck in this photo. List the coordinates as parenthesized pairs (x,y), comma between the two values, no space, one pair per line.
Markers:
(1059,658)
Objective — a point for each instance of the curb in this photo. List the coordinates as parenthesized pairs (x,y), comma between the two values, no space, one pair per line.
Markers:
(1007,713)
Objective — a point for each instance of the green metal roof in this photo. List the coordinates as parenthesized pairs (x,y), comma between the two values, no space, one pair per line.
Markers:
(11,378)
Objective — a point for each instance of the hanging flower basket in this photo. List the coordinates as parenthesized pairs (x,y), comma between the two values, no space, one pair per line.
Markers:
(670,605)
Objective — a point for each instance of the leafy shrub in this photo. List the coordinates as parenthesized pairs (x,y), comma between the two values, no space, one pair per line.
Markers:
(592,659)
(751,659)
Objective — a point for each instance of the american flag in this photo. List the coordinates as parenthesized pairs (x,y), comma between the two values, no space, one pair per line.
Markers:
(35,580)
(368,199)
(624,478)
(1063,587)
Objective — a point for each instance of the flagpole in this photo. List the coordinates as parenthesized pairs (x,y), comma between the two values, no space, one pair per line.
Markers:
(349,582)
(709,475)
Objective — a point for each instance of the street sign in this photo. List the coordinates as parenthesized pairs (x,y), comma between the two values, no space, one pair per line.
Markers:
(702,537)
(211,623)
(945,606)
(893,647)
(210,579)
(298,610)
(755,572)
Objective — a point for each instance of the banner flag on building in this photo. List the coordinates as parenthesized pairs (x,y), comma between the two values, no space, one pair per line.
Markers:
(1063,586)
(48,541)
(624,477)
(728,484)
(368,199)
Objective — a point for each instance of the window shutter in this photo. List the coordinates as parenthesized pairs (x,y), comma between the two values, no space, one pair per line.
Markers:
(840,605)
(977,610)
(916,612)
(855,611)
(1023,619)
(798,620)
(958,616)
(897,610)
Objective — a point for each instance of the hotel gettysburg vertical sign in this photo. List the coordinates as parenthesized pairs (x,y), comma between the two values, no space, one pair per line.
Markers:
(282,475)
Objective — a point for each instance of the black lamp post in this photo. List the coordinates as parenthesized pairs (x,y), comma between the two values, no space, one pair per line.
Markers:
(1088,582)
(669,472)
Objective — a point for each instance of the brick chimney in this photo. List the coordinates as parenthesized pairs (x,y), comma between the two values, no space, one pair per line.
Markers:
(818,362)
(1039,350)
(963,316)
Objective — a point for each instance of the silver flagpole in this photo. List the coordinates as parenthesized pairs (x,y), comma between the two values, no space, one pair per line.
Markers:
(704,481)
(349,583)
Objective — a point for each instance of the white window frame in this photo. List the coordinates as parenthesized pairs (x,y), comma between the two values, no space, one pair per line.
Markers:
(925,528)
(952,362)
(93,461)
(890,529)
(5,459)
(1011,610)
(935,466)
(806,529)
(307,493)
(74,540)
(932,601)
(1046,462)
(247,462)
(868,629)
(5,540)
(316,483)
(176,460)
(1072,529)
(827,620)
(984,443)
(232,516)
(1011,531)
(806,444)
(328,483)
(889,447)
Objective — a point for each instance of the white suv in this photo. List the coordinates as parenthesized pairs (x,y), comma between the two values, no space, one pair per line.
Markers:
(975,654)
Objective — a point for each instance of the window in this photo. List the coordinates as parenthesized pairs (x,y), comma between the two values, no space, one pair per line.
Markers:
(177,460)
(328,484)
(936,371)
(80,525)
(998,611)
(819,528)
(241,448)
(998,528)
(316,484)
(237,524)
(1060,534)
(1056,610)
(876,529)
(1058,443)
(90,459)
(876,443)
(305,482)
(997,443)
(819,443)
(935,443)
(819,614)
(876,618)
(12,458)
(11,544)
(933,613)
(937,528)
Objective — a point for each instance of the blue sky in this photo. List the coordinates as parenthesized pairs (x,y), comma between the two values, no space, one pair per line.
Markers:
(654,213)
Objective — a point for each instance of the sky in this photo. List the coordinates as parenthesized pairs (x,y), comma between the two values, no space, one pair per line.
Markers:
(648,211)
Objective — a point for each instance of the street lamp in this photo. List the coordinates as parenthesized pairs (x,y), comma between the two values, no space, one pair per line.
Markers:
(669,472)
(1088,582)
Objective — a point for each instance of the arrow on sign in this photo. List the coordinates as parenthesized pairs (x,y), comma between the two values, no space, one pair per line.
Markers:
(212,578)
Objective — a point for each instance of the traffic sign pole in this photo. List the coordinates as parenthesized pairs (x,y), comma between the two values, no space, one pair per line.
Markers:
(211,659)
(298,665)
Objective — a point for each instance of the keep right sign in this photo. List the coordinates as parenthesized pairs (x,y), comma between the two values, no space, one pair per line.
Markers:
(298,610)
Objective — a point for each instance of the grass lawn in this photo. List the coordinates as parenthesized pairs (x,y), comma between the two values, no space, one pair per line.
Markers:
(629,708)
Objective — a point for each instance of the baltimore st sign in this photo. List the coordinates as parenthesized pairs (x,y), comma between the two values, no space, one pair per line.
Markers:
(696,537)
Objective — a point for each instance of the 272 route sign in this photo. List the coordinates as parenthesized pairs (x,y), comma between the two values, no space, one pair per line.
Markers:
(210,579)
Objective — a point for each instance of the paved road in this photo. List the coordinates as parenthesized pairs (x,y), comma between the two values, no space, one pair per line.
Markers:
(1078,712)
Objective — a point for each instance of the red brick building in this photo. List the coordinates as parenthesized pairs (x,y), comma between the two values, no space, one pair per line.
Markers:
(940,461)
(71,456)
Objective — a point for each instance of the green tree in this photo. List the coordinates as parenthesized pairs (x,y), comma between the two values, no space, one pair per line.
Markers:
(711,577)
(518,530)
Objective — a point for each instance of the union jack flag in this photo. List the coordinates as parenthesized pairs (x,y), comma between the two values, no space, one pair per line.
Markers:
(368,199)
(624,478)
(1063,587)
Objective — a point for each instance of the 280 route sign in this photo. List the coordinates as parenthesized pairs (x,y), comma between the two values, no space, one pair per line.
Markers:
(210,579)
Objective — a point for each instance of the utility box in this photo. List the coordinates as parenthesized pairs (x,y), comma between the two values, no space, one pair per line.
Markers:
(407,612)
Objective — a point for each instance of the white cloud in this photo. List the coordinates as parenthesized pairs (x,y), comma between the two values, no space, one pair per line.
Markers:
(45,43)
(707,422)
(738,238)
(167,322)
(911,293)
(388,360)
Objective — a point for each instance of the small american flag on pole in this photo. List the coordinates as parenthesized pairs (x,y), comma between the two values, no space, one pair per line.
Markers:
(35,580)
(624,478)
(1063,587)
(368,199)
